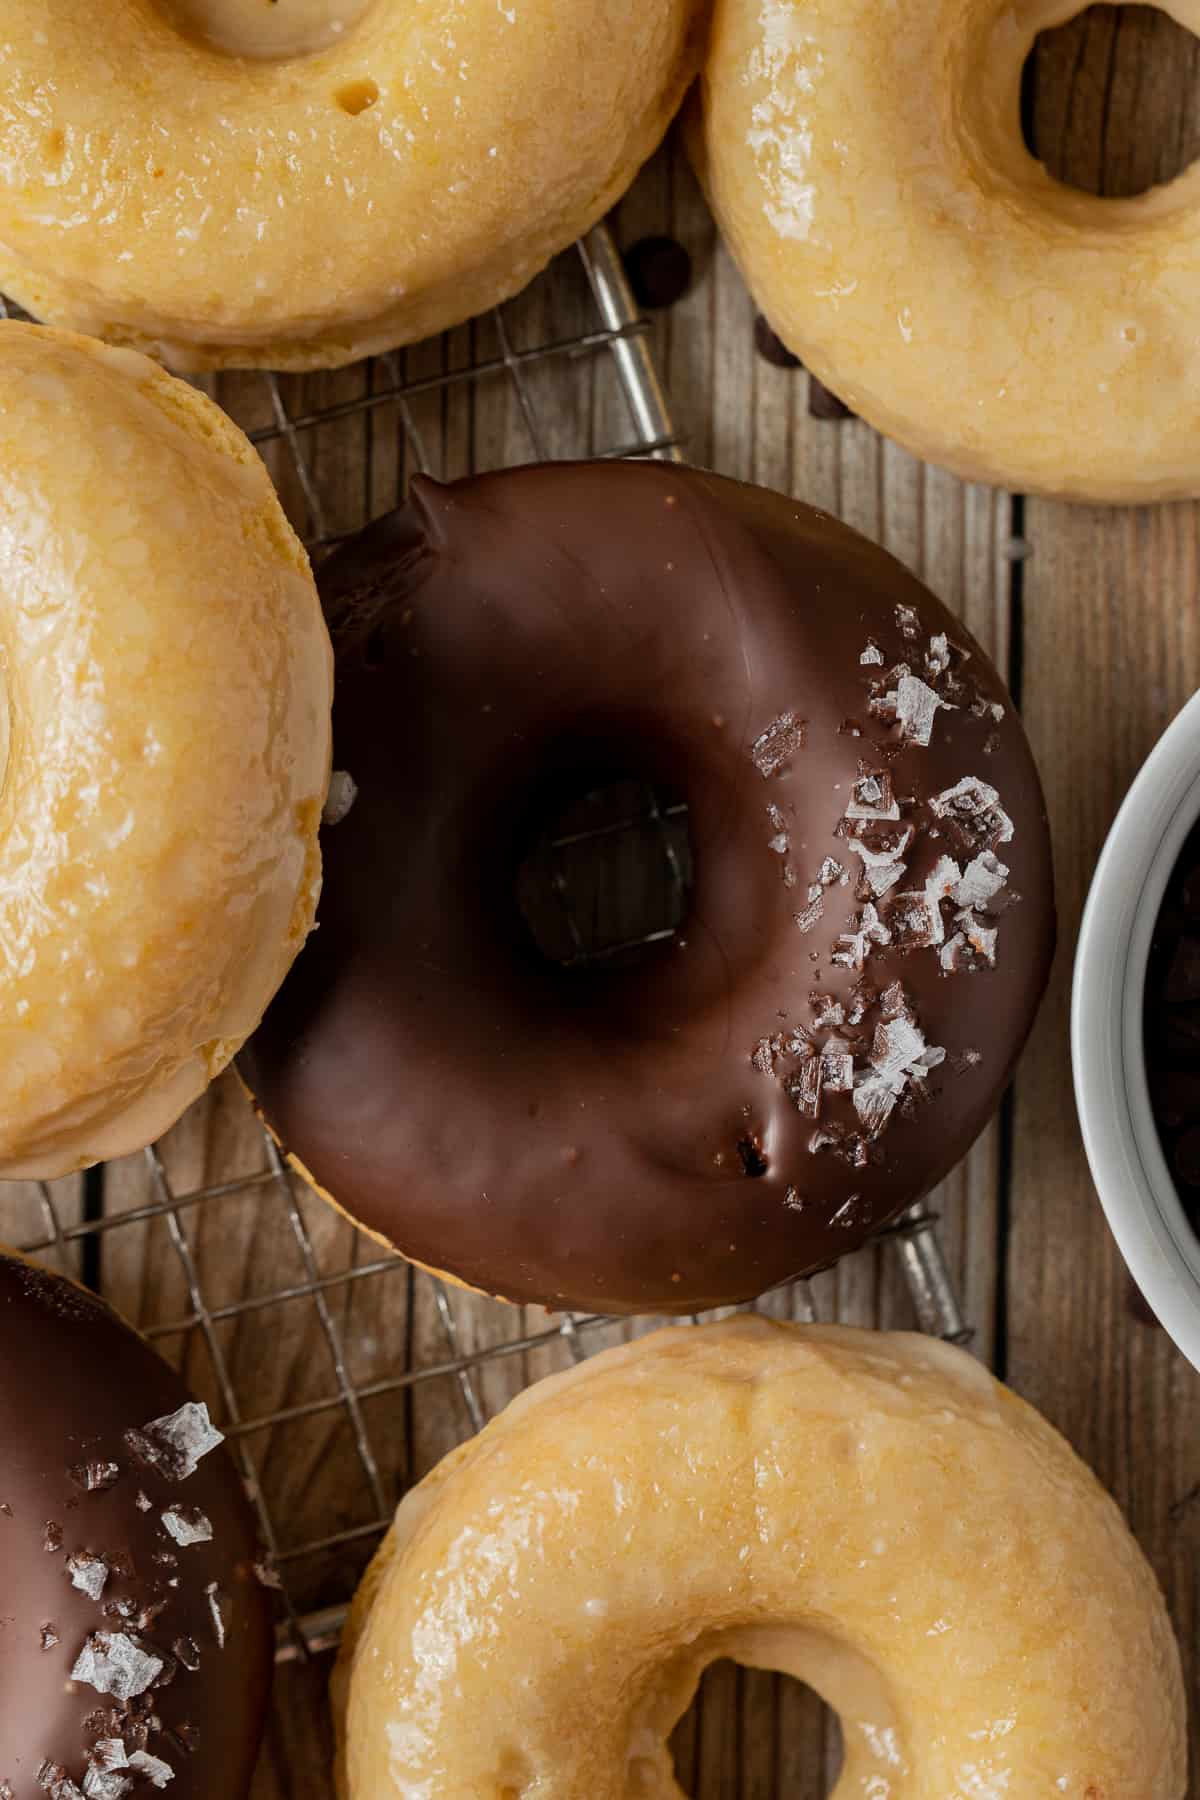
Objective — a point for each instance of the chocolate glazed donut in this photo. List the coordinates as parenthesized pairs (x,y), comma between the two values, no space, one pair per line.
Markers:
(136,1640)
(870,926)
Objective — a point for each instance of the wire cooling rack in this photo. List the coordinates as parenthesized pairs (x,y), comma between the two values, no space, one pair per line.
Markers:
(599,374)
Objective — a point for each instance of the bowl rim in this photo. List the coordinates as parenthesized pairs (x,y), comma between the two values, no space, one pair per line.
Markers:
(1129,1170)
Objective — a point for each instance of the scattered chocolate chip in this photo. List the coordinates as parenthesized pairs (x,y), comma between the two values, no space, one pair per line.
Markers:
(772,348)
(823,404)
(659,271)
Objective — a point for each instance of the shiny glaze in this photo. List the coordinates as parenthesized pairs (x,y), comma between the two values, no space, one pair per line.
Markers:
(876,191)
(167,711)
(869,1512)
(635,1139)
(74,1382)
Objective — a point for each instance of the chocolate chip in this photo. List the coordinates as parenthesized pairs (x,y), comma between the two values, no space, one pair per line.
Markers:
(771,348)
(822,404)
(1183,975)
(659,271)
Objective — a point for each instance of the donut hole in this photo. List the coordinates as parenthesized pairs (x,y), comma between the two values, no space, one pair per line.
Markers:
(608,875)
(763,1727)
(356,96)
(267,33)
(1093,90)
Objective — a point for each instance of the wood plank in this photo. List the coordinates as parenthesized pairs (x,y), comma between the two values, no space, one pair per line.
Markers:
(1111,649)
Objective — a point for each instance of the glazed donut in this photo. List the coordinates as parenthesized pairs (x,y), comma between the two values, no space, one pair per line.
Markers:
(870,924)
(137,1629)
(869,1512)
(873,184)
(164,748)
(231,184)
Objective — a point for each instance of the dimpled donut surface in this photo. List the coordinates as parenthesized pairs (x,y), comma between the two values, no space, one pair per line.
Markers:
(136,1639)
(868,170)
(869,924)
(869,1512)
(225,182)
(164,748)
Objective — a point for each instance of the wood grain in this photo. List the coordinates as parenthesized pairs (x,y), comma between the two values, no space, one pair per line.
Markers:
(1094,614)
(1111,650)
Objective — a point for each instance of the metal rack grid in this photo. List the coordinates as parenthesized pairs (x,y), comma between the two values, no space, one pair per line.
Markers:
(616,333)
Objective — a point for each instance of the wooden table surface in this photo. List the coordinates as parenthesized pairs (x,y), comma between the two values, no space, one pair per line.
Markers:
(1093,614)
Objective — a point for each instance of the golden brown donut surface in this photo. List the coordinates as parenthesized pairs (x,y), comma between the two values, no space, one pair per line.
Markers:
(868,171)
(869,1512)
(298,210)
(165,708)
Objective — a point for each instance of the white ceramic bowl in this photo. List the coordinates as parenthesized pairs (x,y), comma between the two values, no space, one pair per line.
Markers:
(1127,1163)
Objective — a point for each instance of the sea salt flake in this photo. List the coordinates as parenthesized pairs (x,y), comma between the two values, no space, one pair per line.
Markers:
(215,1598)
(974,807)
(981,938)
(53,1779)
(982,880)
(872,797)
(143,1502)
(113,1664)
(915,922)
(826,1010)
(779,844)
(103,1780)
(874,1101)
(908,622)
(188,1652)
(764,1053)
(916,706)
(837,1066)
(157,1772)
(50,1637)
(847,1214)
(811,915)
(871,656)
(775,815)
(175,1445)
(853,948)
(804,1088)
(105,1784)
(937,657)
(894,1002)
(52,1542)
(88,1573)
(776,746)
(188,1525)
(267,1576)
(829,872)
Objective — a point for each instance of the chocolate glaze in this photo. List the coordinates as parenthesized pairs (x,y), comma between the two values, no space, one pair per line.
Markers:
(74,1381)
(646,1139)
